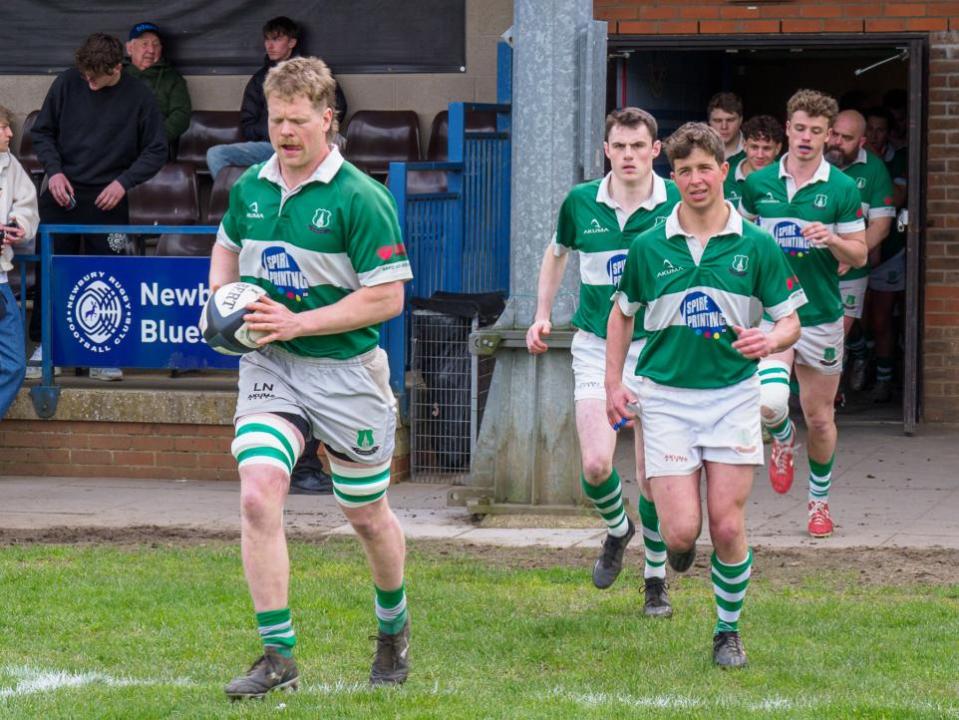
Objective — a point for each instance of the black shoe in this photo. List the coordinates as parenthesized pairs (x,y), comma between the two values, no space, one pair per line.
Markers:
(307,481)
(657,598)
(308,476)
(392,662)
(610,562)
(728,651)
(271,671)
(681,561)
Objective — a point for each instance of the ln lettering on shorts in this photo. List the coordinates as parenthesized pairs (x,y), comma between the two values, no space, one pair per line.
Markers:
(261,391)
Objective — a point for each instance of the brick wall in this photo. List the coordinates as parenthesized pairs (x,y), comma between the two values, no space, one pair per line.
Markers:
(941,308)
(940,273)
(57,448)
(682,17)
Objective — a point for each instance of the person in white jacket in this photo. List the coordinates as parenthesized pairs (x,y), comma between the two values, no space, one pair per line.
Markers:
(19,218)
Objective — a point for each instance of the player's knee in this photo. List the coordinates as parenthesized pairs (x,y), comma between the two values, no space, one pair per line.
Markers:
(774,400)
(820,420)
(680,534)
(726,531)
(370,521)
(261,496)
(597,469)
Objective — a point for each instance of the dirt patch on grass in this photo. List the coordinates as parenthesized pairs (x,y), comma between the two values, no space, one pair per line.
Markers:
(846,566)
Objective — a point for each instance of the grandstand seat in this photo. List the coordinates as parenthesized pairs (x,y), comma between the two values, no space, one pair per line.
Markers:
(220,194)
(169,198)
(477,121)
(27,156)
(375,138)
(208,128)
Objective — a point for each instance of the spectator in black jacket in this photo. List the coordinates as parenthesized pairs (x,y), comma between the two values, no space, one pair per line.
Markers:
(280,38)
(99,134)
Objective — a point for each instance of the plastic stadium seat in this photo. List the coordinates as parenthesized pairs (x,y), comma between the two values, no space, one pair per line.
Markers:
(439,131)
(27,157)
(220,194)
(375,138)
(168,198)
(171,198)
(208,128)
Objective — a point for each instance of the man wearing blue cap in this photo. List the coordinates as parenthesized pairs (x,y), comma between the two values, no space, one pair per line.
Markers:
(147,63)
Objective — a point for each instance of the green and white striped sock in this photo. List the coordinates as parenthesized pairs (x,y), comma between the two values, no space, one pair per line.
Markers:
(607,498)
(820,479)
(729,587)
(391,613)
(652,540)
(782,432)
(276,630)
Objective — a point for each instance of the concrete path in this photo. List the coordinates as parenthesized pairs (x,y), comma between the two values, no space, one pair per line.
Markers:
(888,490)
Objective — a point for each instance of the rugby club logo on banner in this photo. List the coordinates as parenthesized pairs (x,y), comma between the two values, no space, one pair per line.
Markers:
(99,312)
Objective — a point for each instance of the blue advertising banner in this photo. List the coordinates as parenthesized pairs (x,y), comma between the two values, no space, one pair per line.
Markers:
(131,312)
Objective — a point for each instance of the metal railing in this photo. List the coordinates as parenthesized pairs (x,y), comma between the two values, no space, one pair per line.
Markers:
(457,233)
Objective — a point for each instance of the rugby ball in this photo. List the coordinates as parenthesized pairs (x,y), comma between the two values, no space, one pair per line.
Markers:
(221,321)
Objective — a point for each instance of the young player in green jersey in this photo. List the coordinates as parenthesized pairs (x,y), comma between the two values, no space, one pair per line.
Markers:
(703,277)
(599,220)
(845,149)
(323,240)
(813,211)
(725,115)
(762,142)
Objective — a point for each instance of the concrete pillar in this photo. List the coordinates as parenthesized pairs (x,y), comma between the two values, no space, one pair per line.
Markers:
(527,456)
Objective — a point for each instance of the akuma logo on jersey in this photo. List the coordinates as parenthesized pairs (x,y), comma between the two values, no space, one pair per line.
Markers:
(668,269)
(286,276)
(99,312)
(790,238)
(703,316)
(660,220)
(253,213)
(614,268)
(595,227)
(767,198)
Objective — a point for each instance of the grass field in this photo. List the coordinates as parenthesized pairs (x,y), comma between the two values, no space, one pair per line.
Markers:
(155,631)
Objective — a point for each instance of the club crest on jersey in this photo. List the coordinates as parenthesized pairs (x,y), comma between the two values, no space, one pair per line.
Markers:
(829,357)
(739,265)
(614,268)
(321,221)
(860,182)
(594,228)
(253,211)
(282,270)
(668,269)
(820,201)
(365,443)
(790,238)
(702,315)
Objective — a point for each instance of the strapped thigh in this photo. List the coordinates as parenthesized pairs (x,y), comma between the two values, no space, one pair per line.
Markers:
(359,485)
(266,439)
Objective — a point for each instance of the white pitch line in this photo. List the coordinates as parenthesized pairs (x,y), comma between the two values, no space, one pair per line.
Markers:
(32,680)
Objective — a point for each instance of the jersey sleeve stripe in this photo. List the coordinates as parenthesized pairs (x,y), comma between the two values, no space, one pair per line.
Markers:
(628,308)
(386,273)
(844,228)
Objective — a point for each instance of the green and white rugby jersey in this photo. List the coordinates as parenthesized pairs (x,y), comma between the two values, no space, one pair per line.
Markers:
(593,224)
(733,185)
(830,197)
(875,192)
(694,295)
(897,163)
(311,246)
